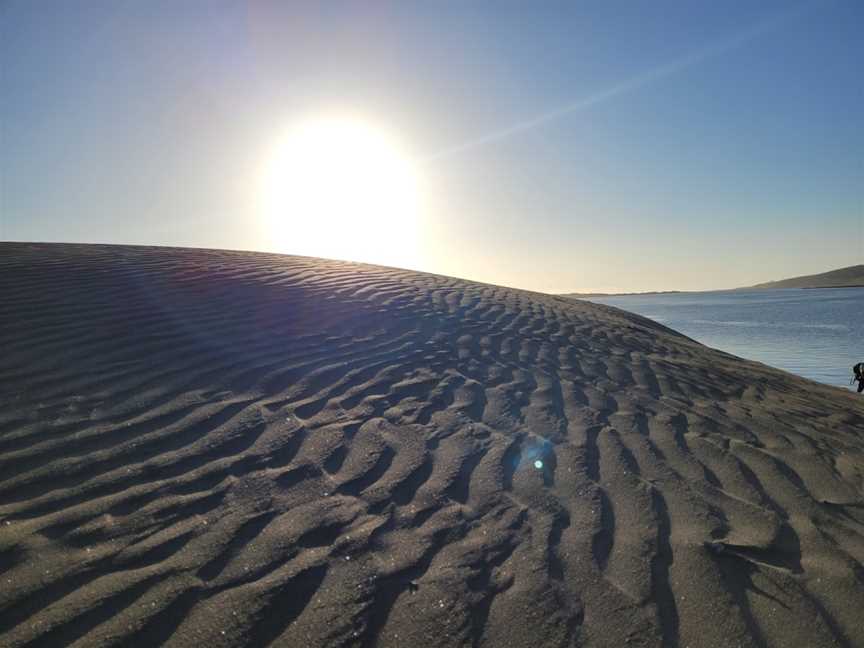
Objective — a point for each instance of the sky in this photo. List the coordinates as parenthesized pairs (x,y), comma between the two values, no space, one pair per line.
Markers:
(601,145)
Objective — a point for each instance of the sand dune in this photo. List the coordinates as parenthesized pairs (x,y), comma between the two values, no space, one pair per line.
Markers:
(223,448)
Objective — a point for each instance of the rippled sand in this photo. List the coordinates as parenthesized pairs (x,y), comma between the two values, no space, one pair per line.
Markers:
(227,448)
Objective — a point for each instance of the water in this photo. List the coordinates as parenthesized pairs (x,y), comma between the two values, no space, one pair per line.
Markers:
(818,333)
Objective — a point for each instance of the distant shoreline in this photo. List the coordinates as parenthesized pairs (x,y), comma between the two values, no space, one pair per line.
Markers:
(650,292)
(696,292)
(841,286)
(850,277)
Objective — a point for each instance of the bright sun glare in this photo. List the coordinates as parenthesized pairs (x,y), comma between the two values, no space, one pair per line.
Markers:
(340,188)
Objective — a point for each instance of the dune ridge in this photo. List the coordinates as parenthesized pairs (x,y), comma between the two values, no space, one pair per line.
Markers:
(253,449)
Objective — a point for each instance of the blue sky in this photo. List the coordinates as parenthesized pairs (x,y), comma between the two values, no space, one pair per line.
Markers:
(565,146)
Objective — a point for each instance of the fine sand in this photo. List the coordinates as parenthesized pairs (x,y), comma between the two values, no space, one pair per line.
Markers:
(207,448)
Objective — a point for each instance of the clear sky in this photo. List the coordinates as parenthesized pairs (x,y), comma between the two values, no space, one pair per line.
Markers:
(603,145)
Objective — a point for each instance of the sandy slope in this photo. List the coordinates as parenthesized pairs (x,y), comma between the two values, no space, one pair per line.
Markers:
(209,448)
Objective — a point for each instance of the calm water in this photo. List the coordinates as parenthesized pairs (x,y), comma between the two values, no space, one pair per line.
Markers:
(818,334)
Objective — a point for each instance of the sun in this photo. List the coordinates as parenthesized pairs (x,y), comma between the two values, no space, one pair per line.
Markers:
(341,188)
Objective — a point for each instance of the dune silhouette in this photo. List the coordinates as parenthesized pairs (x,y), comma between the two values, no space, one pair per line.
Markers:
(203,447)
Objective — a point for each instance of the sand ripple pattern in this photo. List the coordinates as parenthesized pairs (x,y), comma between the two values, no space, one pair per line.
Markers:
(227,448)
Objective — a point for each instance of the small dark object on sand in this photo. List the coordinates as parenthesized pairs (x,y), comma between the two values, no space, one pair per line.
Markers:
(858,374)
(716,547)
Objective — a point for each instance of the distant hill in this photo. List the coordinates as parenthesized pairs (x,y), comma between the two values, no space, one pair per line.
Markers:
(842,278)
(851,277)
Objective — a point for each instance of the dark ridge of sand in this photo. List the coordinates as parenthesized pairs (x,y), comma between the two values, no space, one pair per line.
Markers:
(210,448)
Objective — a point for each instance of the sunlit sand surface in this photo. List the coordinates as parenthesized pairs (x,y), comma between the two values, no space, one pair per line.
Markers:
(209,448)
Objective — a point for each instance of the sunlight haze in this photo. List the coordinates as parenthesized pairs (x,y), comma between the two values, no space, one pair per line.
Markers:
(337,187)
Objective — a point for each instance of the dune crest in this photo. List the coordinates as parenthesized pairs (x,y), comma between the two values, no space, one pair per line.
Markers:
(220,448)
